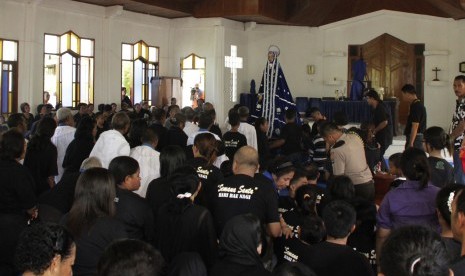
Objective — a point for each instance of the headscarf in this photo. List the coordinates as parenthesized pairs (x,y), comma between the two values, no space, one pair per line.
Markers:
(240,239)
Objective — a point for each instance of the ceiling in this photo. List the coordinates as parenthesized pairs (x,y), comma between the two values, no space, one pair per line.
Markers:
(311,13)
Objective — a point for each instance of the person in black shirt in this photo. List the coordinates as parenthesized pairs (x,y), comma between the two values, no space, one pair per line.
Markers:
(183,226)
(205,151)
(383,125)
(58,201)
(139,112)
(124,98)
(79,149)
(264,155)
(82,113)
(17,197)
(305,199)
(288,203)
(209,109)
(241,194)
(333,257)
(90,219)
(415,250)
(312,231)
(158,191)
(435,140)
(394,169)
(290,138)
(41,156)
(131,209)
(233,140)
(363,237)
(159,116)
(175,134)
(240,248)
(416,120)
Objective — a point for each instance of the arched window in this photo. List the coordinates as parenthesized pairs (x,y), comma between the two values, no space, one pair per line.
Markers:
(8,76)
(69,69)
(139,66)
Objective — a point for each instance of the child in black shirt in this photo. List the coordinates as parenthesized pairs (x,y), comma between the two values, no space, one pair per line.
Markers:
(233,140)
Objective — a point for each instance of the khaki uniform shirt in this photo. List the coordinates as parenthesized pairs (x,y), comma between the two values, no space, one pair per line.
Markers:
(349,159)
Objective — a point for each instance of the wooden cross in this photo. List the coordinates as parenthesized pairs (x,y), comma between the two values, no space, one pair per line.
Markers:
(234,62)
(436,70)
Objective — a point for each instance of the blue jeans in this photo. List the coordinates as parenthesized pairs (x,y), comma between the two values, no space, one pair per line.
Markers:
(459,175)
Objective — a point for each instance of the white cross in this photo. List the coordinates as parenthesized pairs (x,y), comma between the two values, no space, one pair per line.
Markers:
(234,62)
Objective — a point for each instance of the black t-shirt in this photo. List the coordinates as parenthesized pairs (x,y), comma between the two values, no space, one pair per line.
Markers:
(17,188)
(190,231)
(42,163)
(294,250)
(241,194)
(216,130)
(177,137)
(228,268)
(62,195)
(380,115)
(327,258)
(292,135)
(285,204)
(459,267)
(453,249)
(232,142)
(442,173)
(417,114)
(263,149)
(136,215)
(158,193)
(78,150)
(91,244)
(161,132)
(294,220)
(210,176)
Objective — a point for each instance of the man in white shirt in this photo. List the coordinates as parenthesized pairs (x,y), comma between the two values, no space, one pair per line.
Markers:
(112,143)
(149,160)
(62,137)
(247,129)
(190,127)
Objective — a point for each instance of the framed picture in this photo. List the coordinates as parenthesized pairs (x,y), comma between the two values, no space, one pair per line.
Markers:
(462,67)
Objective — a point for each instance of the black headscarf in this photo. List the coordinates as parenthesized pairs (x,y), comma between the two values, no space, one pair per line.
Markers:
(240,239)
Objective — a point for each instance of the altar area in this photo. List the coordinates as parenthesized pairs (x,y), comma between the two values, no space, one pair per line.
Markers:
(357,112)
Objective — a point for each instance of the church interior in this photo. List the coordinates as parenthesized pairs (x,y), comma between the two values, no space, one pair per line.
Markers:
(221,52)
(310,34)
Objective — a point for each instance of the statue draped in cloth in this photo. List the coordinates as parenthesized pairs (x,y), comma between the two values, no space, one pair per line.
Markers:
(274,97)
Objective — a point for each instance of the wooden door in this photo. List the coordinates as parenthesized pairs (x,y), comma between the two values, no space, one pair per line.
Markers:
(391,63)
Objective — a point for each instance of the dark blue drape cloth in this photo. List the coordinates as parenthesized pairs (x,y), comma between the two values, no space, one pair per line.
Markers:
(357,87)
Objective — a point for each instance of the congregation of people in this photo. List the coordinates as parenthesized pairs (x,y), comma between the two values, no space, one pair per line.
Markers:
(166,191)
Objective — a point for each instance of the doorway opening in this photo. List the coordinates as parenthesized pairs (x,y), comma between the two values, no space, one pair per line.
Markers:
(193,78)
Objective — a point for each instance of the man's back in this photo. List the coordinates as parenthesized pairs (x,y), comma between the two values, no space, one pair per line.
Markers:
(327,258)
(349,159)
(241,194)
(110,144)
(61,139)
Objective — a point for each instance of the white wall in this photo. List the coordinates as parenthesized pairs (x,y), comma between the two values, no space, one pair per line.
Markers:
(301,46)
(212,38)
